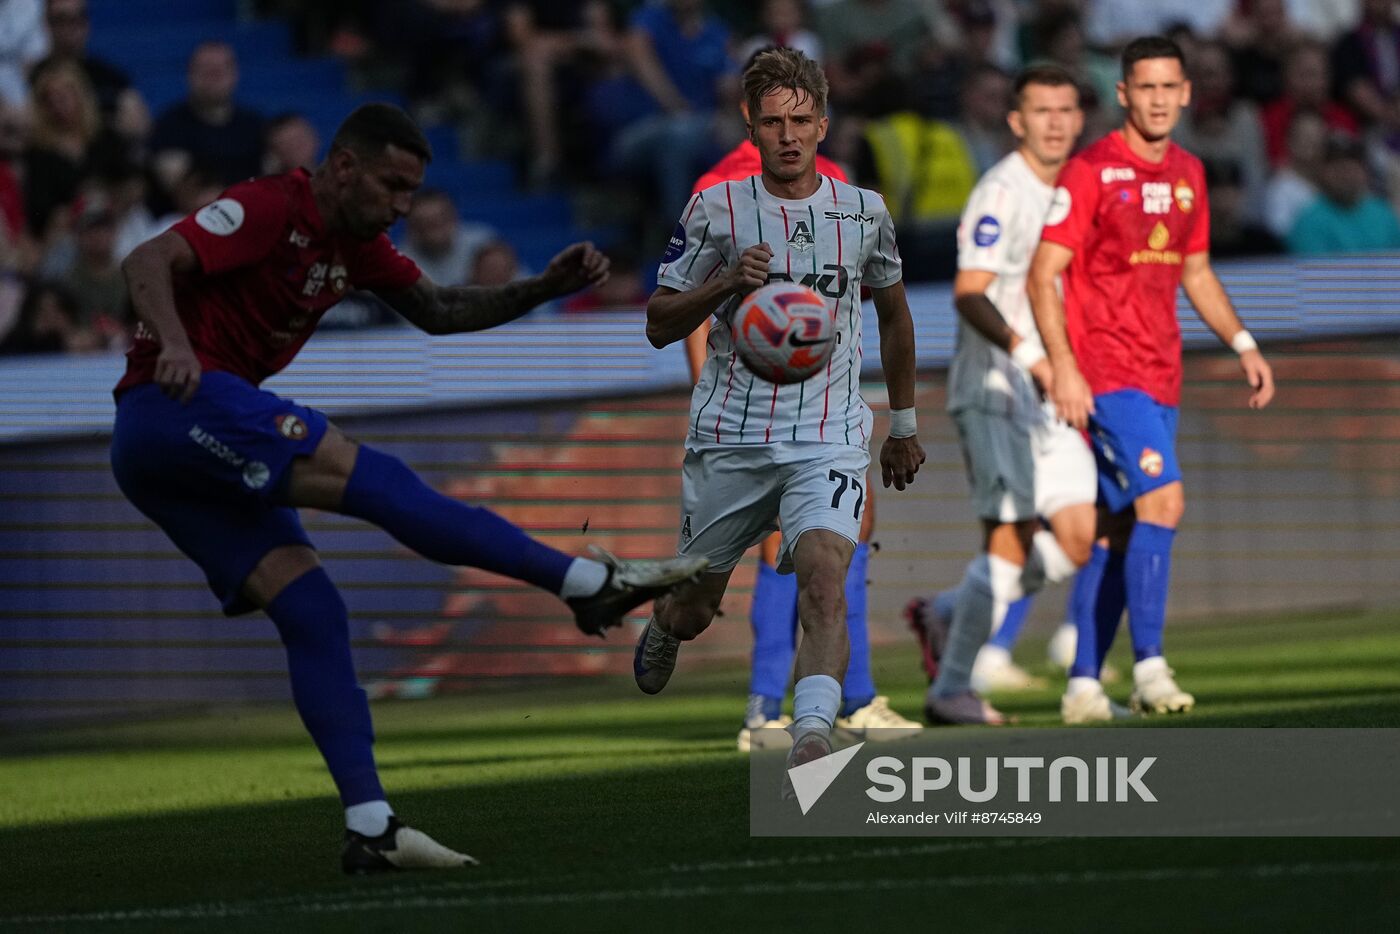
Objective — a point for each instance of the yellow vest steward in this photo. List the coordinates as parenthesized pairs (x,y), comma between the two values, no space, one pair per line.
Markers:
(926,171)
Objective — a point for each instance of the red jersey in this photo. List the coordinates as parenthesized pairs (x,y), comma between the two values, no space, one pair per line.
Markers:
(1130,223)
(268,271)
(743,160)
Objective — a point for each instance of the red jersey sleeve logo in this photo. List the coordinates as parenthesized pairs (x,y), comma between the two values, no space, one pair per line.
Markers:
(221,218)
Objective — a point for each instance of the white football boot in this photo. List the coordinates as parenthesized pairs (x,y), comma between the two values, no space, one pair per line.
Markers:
(879,717)
(1155,689)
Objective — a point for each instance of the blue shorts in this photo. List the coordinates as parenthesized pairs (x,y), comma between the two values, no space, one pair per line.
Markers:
(212,472)
(1134,441)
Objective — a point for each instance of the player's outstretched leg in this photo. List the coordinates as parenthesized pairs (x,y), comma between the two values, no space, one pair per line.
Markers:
(314,626)
(774,619)
(864,713)
(677,617)
(359,481)
(929,619)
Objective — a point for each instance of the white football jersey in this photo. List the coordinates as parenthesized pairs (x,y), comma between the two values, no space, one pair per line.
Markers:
(835,241)
(999,233)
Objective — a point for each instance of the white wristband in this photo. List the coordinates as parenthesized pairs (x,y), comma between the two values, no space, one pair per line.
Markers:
(1028,354)
(1243,342)
(904,423)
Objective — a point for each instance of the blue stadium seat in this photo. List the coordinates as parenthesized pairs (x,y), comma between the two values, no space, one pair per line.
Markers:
(484,175)
(505,209)
(106,15)
(266,81)
(140,48)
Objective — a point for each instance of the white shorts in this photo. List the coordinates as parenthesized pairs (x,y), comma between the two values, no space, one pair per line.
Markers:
(734,497)
(1020,471)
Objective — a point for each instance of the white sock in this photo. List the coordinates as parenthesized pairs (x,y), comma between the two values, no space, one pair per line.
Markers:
(815,701)
(584,578)
(1149,668)
(1082,685)
(369,819)
(1057,564)
(993,655)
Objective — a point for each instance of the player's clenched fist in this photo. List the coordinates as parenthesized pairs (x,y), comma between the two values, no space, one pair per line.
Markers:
(900,459)
(575,266)
(177,372)
(752,270)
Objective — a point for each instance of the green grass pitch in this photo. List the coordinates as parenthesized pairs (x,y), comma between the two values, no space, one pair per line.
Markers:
(594,808)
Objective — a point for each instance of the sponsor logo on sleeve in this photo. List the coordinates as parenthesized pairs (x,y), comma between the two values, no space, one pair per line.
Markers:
(1059,207)
(987,231)
(220,218)
(290,426)
(675,246)
(1150,462)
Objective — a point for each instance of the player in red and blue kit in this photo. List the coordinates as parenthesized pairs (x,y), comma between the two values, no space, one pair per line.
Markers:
(1129,223)
(226,299)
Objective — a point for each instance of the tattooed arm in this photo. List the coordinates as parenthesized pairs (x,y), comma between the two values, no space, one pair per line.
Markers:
(437,309)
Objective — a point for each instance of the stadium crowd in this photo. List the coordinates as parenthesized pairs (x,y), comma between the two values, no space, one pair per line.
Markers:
(1295,112)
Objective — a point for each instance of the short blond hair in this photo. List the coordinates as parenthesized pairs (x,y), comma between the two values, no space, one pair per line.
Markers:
(784,68)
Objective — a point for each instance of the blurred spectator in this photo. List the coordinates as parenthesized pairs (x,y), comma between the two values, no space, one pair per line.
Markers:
(782,23)
(1294,185)
(679,53)
(1234,230)
(986,101)
(1060,38)
(1223,130)
(196,188)
(125,189)
(48,323)
(925,171)
(208,127)
(1324,20)
(987,31)
(67,144)
(69,31)
(1366,66)
(1260,36)
(1110,24)
(859,32)
(23,41)
(437,239)
(547,36)
(624,290)
(449,46)
(292,143)
(16,247)
(95,279)
(1346,216)
(495,264)
(1307,85)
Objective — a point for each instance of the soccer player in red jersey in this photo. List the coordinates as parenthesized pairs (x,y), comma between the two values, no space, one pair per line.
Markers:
(1129,224)
(226,298)
(773,611)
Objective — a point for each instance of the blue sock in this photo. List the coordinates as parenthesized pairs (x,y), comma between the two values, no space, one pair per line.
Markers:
(1148,568)
(773,616)
(1108,607)
(1011,626)
(858,687)
(384,491)
(315,628)
(1080,609)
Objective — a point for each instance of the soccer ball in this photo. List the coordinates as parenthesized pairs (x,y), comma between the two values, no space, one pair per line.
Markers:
(783,332)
